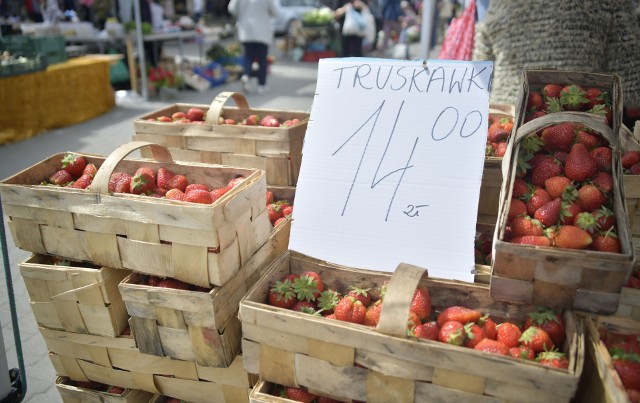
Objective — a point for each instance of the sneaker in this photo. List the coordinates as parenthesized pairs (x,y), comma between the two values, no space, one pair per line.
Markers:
(261,89)
(246,86)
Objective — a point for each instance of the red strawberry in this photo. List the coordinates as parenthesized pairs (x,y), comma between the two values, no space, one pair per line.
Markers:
(452,332)
(544,170)
(195,114)
(274,211)
(235,182)
(361,294)
(628,368)
(605,218)
(281,294)
(143,182)
(475,334)
(428,330)
(489,326)
(372,315)
(492,347)
(299,394)
(194,186)
(305,307)
(630,158)
(508,333)
(351,310)
(497,133)
(525,225)
(162,179)
(516,208)
(554,359)
(458,314)
(595,97)
(523,353)
(269,197)
(287,210)
(552,90)
(173,283)
(61,178)
(177,182)
(549,213)
(549,321)
(540,198)
(569,210)
(580,165)
(590,198)
(82,182)
(115,177)
(635,169)
(308,286)
(200,196)
(174,194)
(536,114)
(561,156)
(633,282)
(587,222)
(90,169)
(604,181)
(116,390)
(573,97)
(559,137)
(534,101)
(421,303)
(536,339)
(520,189)
(570,237)
(535,240)
(218,193)
(74,164)
(589,140)
(607,242)
(556,185)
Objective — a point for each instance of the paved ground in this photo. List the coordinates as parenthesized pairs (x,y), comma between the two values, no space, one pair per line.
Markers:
(291,86)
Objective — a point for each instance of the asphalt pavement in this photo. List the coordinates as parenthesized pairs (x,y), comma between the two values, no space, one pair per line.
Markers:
(291,85)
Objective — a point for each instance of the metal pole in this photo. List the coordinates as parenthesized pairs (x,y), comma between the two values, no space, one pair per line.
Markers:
(428,11)
(140,45)
(5,382)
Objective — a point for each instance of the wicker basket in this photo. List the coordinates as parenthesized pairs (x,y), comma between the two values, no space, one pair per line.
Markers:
(277,150)
(196,243)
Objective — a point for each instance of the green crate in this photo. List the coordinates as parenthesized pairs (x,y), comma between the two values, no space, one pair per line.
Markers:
(52,47)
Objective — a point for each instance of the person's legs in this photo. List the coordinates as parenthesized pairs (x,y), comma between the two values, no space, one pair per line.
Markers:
(356,46)
(262,50)
(249,57)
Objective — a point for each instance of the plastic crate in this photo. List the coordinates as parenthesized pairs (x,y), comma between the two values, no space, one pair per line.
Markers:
(52,47)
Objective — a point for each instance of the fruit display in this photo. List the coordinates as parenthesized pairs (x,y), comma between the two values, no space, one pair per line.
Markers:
(279,209)
(500,128)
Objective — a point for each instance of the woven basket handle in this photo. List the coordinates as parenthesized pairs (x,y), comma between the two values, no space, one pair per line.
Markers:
(397,300)
(500,112)
(100,182)
(215,110)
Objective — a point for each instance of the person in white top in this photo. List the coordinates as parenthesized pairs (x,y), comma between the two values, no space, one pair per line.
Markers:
(255,31)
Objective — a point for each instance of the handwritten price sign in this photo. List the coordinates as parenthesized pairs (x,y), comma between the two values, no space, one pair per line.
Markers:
(392,165)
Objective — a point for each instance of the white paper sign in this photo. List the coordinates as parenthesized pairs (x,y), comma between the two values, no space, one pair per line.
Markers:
(392,165)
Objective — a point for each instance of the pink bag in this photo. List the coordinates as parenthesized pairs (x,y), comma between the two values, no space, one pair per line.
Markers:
(458,42)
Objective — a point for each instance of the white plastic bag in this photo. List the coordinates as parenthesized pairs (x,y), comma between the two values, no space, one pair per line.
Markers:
(354,23)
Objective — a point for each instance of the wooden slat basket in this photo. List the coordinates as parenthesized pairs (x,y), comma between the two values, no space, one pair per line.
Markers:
(117,361)
(601,382)
(73,394)
(583,280)
(199,244)
(351,361)
(630,141)
(78,298)
(277,150)
(196,325)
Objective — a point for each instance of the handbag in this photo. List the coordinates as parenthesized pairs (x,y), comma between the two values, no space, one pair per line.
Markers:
(354,23)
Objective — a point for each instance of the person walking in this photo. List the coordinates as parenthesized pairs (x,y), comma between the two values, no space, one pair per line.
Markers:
(351,43)
(391,22)
(255,32)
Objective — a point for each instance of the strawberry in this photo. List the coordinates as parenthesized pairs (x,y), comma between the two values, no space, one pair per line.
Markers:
(452,332)
(589,140)
(570,237)
(143,182)
(629,345)
(372,315)
(635,169)
(61,178)
(605,218)
(587,222)
(590,198)
(628,368)
(269,197)
(235,182)
(500,149)
(74,164)
(525,225)
(633,282)
(287,210)
(82,182)
(535,240)
(520,189)
(361,294)
(604,181)
(540,198)
(458,314)
(630,158)
(413,321)
(559,137)
(552,90)
(174,194)
(633,395)
(195,114)
(218,193)
(560,156)
(554,359)
(116,390)
(569,210)
(153,281)
(492,347)
(299,394)
(536,339)
(544,170)
(421,303)
(115,178)
(607,242)
(523,353)
(305,307)
(516,208)
(351,310)
(533,115)
(509,334)
(328,300)
(428,330)
(489,326)
(497,133)
(173,283)
(308,286)
(534,101)
(595,97)
(580,165)
(549,213)
(200,196)
(324,399)
(90,169)
(549,321)
(177,182)
(274,211)
(194,186)
(163,177)
(281,294)
(556,185)
(474,335)
(251,120)
(573,97)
